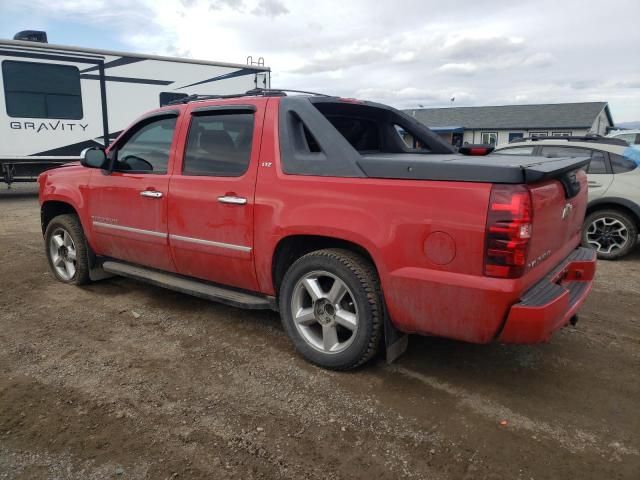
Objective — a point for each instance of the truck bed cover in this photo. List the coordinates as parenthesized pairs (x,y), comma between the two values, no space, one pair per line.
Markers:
(455,167)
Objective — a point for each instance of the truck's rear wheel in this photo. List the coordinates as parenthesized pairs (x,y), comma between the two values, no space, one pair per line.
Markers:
(612,233)
(66,249)
(331,308)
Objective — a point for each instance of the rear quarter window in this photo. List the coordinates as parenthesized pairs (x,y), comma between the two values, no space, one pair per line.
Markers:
(598,163)
(622,164)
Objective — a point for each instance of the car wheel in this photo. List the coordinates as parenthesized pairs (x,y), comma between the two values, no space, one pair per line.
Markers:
(331,308)
(66,249)
(612,233)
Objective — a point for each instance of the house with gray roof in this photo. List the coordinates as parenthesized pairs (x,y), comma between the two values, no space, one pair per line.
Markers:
(502,124)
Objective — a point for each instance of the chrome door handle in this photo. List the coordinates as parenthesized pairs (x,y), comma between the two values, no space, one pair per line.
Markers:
(151,194)
(232,200)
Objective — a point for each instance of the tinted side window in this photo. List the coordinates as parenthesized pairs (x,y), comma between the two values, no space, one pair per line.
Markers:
(598,163)
(516,151)
(40,90)
(556,152)
(620,164)
(219,144)
(148,149)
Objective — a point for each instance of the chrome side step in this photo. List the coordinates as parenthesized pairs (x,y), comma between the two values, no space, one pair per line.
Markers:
(189,286)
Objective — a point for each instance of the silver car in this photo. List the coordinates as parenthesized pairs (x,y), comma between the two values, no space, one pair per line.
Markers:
(632,137)
(613,213)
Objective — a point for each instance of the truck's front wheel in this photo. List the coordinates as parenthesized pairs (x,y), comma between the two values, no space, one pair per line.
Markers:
(66,249)
(331,308)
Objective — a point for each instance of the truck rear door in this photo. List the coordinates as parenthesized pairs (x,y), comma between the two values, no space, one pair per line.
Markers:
(211,201)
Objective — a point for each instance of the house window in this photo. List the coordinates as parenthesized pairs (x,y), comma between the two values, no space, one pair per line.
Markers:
(42,90)
(489,138)
(561,134)
(537,134)
(514,136)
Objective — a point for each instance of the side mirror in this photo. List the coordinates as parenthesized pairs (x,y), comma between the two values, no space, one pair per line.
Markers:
(94,157)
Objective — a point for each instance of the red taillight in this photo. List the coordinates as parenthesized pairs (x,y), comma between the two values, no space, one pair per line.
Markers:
(508,231)
(478,151)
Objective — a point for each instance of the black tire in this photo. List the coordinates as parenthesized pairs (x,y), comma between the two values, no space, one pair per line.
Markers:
(71,225)
(593,226)
(362,295)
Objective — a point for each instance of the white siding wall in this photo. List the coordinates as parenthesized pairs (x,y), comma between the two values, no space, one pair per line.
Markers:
(601,123)
(475,136)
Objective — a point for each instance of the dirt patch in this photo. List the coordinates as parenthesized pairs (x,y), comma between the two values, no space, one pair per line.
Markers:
(185,388)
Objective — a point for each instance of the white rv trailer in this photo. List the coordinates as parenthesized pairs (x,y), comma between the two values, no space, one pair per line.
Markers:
(57,100)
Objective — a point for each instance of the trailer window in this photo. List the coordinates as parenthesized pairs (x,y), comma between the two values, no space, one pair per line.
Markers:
(219,145)
(42,90)
(167,97)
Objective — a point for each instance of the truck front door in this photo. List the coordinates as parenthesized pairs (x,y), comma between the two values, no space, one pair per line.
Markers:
(211,206)
(129,207)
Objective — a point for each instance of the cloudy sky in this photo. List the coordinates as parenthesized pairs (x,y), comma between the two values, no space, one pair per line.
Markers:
(403,52)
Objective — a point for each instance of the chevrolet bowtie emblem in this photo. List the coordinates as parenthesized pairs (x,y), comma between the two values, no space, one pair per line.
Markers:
(566,211)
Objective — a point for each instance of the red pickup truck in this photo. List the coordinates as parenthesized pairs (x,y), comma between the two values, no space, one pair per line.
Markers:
(353,220)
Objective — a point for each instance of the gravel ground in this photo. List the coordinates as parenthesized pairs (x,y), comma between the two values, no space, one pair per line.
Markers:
(123,380)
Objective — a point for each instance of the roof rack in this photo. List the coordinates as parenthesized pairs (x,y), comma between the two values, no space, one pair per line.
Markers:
(590,137)
(255,92)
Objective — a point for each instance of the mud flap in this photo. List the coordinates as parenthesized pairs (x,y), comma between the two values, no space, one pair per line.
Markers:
(96,272)
(395,341)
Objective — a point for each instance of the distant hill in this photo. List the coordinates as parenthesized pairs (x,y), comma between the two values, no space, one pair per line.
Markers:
(634,125)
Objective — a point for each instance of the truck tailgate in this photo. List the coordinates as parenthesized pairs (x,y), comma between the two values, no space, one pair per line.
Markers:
(557,223)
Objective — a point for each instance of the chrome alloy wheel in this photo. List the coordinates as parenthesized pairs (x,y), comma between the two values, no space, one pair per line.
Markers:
(607,235)
(62,252)
(324,312)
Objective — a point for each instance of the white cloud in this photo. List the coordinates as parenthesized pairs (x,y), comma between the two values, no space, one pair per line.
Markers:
(270,8)
(541,59)
(407,52)
(467,68)
(354,55)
